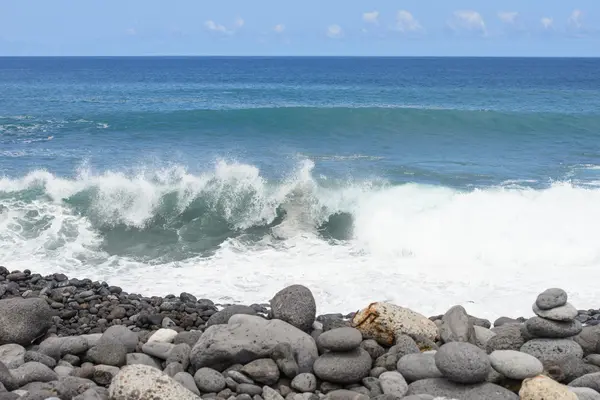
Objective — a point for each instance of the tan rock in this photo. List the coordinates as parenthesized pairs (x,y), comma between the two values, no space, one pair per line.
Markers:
(142,382)
(543,388)
(383,321)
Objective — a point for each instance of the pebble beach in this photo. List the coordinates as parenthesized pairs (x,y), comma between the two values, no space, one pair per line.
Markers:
(63,338)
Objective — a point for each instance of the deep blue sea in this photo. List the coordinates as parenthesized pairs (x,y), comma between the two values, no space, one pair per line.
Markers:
(426,181)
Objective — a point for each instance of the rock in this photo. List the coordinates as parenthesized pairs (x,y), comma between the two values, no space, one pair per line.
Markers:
(64,370)
(283,356)
(585,393)
(343,394)
(593,359)
(180,353)
(108,353)
(270,394)
(39,357)
(71,386)
(173,369)
(589,339)
(222,317)
(482,336)
(481,322)
(143,359)
(347,367)
(141,382)
(383,321)
(238,377)
(23,320)
(551,298)
(208,380)
(545,328)
(562,313)
(104,374)
(516,365)
(12,355)
(462,362)
(246,338)
(374,349)
(95,393)
(163,336)
(508,337)
(440,387)
(456,326)
(158,349)
(121,334)
(73,345)
(304,382)
(32,372)
(340,339)
(393,383)
(250,389)
(504,321)
(414,367)
(543,388)
(295,305)
(187,381)
(552,350)
(7,379)
(591,381)
(263,370)
(187,337)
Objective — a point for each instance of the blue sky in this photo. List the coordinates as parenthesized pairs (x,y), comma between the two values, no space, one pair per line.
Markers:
(308,27)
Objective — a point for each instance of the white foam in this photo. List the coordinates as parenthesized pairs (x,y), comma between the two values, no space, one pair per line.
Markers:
(424,247)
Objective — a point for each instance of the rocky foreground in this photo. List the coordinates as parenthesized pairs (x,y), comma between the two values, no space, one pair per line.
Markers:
(64,338)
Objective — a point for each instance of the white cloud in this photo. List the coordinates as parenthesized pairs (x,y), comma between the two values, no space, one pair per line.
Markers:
(371,17)
(279,28)
(508,17)
(406,22)
(334,31)
(574,20)
(468,20)
(547,22)
(131,32)
(219,28)
(239,22)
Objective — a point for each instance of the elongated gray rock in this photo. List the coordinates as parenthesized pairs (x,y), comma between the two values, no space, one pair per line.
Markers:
(563,313)
(222,317)
(457,327)
(340,339)
(347,367)
(414,367)
(462,362)
(440,387)
(551,298)
(552,350)
(295,305)
(515,364)
(263,370)
(246,338)
(591,381)
(23,320)
(141,382)
(545,328)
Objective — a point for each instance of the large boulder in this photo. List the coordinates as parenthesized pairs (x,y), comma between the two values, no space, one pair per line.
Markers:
(23,320)
(383,321)
(440,387)
(295,305)
(247,338)
(141,382)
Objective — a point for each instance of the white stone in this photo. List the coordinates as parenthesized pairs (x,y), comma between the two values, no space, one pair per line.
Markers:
(163,335)
(138,382)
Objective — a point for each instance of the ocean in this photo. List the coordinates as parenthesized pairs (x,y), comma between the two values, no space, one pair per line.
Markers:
(427,182)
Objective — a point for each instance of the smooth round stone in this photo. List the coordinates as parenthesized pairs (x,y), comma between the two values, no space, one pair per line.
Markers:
(348,367)
(393,383)
(515,364)
(12,355)
(304,382)
(209,381)
(445,389)
(563,313)
(463,362)
(545,328)
(295,305)
(551,298)
(340,339)
(414,367)
(585,393)
(552,350)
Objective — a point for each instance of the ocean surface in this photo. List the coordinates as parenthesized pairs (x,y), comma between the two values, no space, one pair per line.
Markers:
(424,181)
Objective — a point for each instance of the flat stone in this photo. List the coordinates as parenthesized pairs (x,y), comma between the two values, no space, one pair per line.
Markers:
(249,389)
(163,336)
(158,349)
(33,372)
(140,382)
(414,367)
(187,381)
(591,381)
(238,377)
(12,355)
(393,383)
(551,298)
(516,365)
(141,358)
(462,362)
(246,338)
(295,305)
(23,320)
(263,370)
(545,328)
(562,313)
(305,382)
(348,367)
(543,388)
(552,350)
(585,393)
(208,380)
(340,339)
(222,317)
(440,387)
(457,327)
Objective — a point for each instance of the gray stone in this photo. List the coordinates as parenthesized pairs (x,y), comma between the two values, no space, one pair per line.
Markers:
(393,383)
(305,382)
(552,350)
(248,388)
(374,349)
(9,396)
(39,357)
(551,298)
(440,387)
(246,338)
(222,317)
(373,385)
(271,394)
(12,355)
(377,371)
(343,394)
(94,338)
(32,372)
(462,362)
(173,369)
(569,369)
(562,313)
(158,349)
(188,337)
(141,382)
(208,380)
(295,305)
(64,370)
(483,336)
(71,386)
(242,396)
(141,358)
(591,381)
(504,321)
(516,365)
(414,367)
(187,381)
(179,353)
(95,393)
(283,355)
(585,393)
(73,345)
(545,328)
(340,339)
(508,337)
(6,378)
(263,370)
(120,333)
(108,353)
(419,397)
(589,339)
(104,374)
(23,320)
(238,376)
(456,326)
(348,367)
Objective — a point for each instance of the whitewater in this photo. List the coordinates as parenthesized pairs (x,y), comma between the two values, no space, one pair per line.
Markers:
(232,235)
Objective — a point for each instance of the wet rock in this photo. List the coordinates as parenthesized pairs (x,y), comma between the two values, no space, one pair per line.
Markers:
(345,368)
(23,320)
(140,382)
(295,305)
(462,362)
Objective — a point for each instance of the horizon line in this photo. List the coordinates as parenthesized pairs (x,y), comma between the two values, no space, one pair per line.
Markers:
(293,56)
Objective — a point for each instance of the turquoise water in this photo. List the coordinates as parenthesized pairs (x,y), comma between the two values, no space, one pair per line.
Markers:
(137,166)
